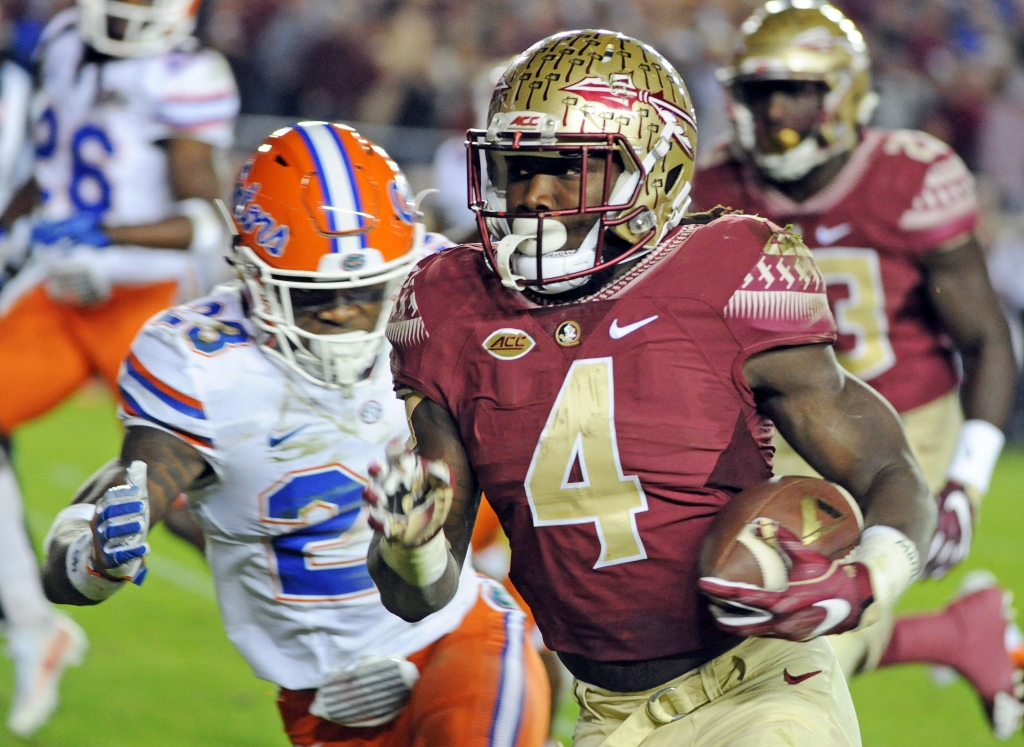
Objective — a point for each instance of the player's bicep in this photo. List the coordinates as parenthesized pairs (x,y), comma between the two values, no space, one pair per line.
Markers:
(436,436)
(841,426)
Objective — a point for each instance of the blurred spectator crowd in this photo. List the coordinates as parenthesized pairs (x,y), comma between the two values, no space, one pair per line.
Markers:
(951,67)
(954,68)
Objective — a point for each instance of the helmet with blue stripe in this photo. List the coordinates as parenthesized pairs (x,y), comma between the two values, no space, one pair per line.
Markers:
(318,207)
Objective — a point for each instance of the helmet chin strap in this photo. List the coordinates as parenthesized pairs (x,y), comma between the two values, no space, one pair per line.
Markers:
(523,239)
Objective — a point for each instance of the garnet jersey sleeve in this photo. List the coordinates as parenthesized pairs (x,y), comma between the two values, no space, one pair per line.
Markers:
(781,299)
(194,96)
(930,187)
(415,362)
(156,388)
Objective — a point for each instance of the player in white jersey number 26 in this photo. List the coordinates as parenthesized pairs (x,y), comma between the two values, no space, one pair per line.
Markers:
(266,401)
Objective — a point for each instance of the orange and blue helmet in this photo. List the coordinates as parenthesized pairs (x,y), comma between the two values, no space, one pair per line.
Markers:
(320,207)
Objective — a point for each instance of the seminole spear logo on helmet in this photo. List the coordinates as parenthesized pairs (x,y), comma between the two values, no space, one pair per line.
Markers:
(619,92)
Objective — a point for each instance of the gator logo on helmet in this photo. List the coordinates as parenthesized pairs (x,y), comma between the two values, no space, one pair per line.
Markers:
(353,261)
(400,201)
(253,219)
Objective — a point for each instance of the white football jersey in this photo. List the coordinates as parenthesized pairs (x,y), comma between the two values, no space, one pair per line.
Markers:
(98,127)
(286,529)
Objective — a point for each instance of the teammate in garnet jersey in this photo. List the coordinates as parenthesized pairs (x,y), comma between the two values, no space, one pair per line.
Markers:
(609,376)
(889,217)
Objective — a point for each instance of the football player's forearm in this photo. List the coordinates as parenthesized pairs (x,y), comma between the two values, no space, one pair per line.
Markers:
(173,233)
(407,601)
(989,375)
(969,311)
(846,432)
(56,584)
(24,200)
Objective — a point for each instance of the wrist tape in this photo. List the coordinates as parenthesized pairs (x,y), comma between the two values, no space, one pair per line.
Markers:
(977,450)
(73,529)
(892,560)
(419,566)
(208,229)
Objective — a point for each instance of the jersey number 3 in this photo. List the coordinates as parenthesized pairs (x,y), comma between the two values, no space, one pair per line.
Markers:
(863,347)
(576,477)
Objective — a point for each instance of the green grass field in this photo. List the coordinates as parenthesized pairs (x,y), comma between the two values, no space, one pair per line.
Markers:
(162,673)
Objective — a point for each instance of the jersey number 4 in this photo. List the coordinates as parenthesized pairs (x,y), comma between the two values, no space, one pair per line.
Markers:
(576,477)
(317,562)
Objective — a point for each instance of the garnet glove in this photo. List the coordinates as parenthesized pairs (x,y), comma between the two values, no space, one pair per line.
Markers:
(952,540)
(824,596)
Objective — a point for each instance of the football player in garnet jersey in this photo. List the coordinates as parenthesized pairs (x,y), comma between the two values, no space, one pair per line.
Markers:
(608,377)
(120,222)
(889,218)
(266,400)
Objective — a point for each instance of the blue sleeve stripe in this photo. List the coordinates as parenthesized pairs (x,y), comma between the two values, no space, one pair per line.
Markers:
(132,408)
(182,403)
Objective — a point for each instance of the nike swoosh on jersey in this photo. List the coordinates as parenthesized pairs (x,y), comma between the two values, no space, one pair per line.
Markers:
(829,235)
(791,680)
(616,332)
(836,610)
(275,442)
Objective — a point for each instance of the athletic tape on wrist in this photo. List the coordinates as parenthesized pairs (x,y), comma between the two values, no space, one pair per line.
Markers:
(81,573)
(419,566)
(977,451)
(892,560)
(208,229)
(68,524)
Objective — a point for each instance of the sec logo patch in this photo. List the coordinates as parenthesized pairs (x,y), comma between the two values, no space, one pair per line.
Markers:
(568,334)
(508,344)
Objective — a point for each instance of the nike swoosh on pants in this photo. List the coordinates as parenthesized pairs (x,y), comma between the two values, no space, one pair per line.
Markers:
(791,680)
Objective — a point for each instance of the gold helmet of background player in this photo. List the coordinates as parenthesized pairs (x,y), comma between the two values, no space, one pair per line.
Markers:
(802,40)
(583,94)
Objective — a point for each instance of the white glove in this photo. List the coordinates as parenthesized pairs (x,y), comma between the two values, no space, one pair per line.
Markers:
(76,281)
(121,525)
(368,693)
(409,497)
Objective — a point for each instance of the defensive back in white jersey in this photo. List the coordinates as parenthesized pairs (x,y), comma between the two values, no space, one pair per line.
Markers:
(98,128)
(286,527)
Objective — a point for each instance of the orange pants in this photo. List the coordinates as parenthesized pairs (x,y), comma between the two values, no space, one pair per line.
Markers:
(473,691)
(49,349)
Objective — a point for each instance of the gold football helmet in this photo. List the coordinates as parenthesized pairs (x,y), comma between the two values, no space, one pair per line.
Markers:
(583,94)
(802,40)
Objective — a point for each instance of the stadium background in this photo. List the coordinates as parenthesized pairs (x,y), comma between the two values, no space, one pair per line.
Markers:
(410,74)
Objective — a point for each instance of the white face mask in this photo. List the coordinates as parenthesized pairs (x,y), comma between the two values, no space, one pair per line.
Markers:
(346,357)
(337,361)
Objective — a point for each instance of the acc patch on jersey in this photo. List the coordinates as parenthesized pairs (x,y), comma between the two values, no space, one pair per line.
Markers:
(508,344)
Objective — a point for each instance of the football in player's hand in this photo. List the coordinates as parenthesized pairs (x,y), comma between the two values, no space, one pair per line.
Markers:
(740,544)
